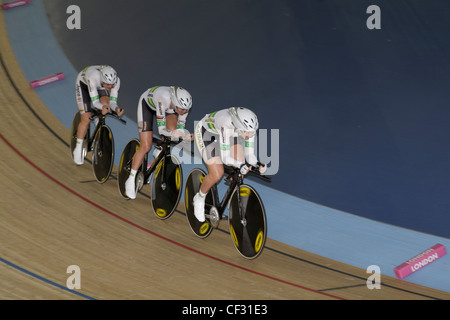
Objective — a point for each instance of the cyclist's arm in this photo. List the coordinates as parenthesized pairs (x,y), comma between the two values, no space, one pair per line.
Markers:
(181,124)
(114,95)
(162,128)
(161,122)
(225,136)
(249,149)
(95,97)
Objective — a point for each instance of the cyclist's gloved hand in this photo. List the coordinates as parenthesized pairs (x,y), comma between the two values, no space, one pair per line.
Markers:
(262,168)
(244,168)
(119,111)
(105,109)
(188,137)
(177,135)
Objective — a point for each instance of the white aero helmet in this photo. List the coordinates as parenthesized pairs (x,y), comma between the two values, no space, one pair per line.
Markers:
(244,119)
(180,97)
(108,75)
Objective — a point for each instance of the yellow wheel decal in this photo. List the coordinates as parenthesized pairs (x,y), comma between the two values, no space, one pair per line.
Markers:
(259,241)
(161,212)
(158,169)
(204,228)
(177,178)
(233,235)
(201,178)
(244,192)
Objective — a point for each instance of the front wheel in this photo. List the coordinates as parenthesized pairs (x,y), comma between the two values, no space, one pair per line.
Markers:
(103,154)
(125,164)
(166,191)
(247,220)
(193,183)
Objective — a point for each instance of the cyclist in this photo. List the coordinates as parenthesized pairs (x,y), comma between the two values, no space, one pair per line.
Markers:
(170,106)
(98,86)
(220,137)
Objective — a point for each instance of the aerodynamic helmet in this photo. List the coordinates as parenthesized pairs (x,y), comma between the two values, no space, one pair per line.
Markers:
(244,119)
(108,75)
(180,97)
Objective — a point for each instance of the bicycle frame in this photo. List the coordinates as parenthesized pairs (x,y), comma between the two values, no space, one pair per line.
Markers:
(165,143)
(101,122)
(236,180)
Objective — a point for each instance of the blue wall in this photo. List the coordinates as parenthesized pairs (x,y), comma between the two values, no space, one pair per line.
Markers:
(363,114)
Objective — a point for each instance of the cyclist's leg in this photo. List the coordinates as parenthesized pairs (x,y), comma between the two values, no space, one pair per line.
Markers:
(213,161)
(215,173)
(84,106)
(211,156)
(145,126)
(146,140)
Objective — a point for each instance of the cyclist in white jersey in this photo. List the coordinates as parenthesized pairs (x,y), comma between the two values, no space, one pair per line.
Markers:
(170,106)
(96,86)
(225,137)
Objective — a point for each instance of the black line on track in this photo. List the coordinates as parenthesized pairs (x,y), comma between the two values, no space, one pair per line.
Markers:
(341,288)
(266,248)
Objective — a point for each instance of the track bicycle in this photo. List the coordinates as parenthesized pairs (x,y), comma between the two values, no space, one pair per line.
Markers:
(246,213)
(101,142)
(165,176)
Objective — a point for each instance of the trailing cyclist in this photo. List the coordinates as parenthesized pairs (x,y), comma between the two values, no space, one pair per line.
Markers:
(170,106)
(225,137)
(96,86)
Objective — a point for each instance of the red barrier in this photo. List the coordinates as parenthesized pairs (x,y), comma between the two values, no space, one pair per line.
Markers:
(14,4)
(420,261)
(47,80)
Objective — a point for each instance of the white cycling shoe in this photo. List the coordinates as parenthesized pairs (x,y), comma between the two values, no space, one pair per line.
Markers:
(78,155)
(199,207)
(130,187)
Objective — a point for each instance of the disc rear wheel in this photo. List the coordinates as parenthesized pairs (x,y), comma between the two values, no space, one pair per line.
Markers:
(103,154)
(166,192)
(247,221)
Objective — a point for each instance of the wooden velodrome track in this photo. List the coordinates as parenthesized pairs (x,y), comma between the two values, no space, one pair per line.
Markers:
(54,215)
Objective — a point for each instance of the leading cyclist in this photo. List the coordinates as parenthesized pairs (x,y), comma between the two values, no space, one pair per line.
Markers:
(98,86)
(170,106)
(220,137)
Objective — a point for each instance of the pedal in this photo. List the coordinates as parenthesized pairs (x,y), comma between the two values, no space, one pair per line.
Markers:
(213,217)
(139,180)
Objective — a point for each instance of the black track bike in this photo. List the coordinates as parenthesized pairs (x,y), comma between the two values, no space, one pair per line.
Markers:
(101,142)
(165,175)
(246,213)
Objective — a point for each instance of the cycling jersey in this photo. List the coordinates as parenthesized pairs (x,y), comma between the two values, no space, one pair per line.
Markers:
(89,89)
(220,124)
(156,102)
